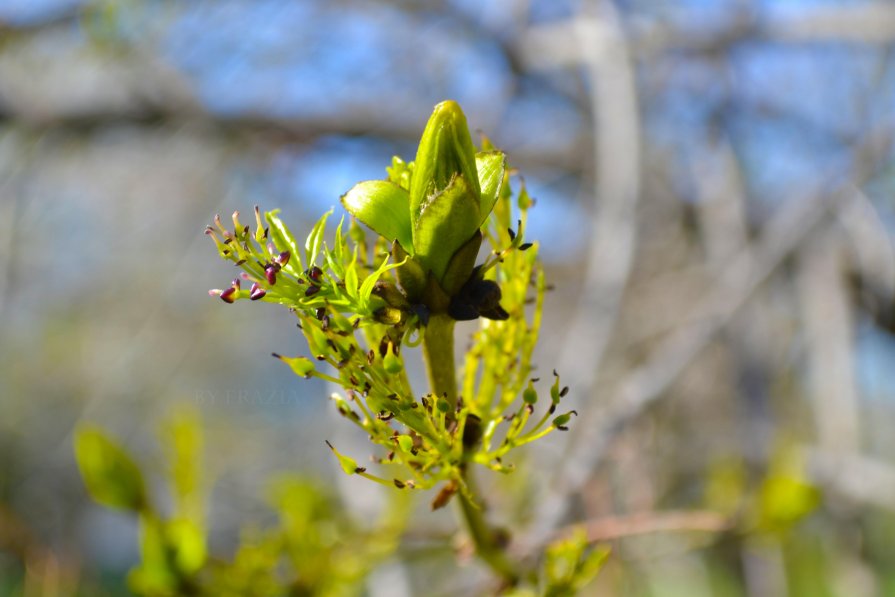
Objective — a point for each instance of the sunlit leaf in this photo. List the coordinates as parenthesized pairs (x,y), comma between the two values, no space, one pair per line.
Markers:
(283,239)
(383,206)
(446,222)
(315,238)
(491,167)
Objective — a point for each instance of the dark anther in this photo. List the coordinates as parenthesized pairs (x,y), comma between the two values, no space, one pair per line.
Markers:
(564,391)
(512,233)
(312,290)
(320,312)
(525,246)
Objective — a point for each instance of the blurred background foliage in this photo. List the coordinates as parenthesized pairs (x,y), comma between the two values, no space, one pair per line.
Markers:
(714,186)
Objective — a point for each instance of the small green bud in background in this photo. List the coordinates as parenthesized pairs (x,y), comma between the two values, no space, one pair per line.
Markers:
(111,476)
(530,395)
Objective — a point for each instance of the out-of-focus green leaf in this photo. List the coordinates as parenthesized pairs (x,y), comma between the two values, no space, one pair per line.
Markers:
(187,540)
(183,440)
(784,500)
(110,474)
(383,206)
(571,564)
(156,574)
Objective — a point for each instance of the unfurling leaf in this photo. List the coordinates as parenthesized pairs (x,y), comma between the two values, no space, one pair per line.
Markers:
(383,206)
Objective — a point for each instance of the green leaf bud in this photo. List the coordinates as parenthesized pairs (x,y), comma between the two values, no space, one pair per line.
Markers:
(530,395)
(349,465)
(300,365)
(445,153)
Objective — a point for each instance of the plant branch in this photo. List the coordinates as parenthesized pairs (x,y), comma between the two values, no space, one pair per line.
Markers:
(438,353)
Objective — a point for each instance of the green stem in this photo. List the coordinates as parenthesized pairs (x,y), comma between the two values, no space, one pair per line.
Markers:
(483,537)
(438,353)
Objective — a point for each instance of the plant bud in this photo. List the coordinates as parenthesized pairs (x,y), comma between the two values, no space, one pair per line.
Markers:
(256,292)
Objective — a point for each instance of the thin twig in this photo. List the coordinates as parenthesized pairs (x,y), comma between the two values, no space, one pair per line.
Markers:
(644,523)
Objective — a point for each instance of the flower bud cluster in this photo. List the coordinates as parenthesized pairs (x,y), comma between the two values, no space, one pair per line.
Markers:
(362,305)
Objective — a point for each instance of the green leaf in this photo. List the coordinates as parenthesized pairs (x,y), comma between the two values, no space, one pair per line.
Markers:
(445,152)
(370,281)
(400,173)
(446,222)
(383,206)
(284,240)
(411,275)
(111,476)
(351,280)
(491,167)
(462,263)
(315,239)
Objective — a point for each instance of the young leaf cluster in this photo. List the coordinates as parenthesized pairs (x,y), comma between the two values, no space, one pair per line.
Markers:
(358,321)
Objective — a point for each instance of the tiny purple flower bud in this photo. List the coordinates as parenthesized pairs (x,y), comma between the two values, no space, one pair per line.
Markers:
(270,272)
(257,292)
(235,284)
(315,273)
(283,258)
(228,295)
